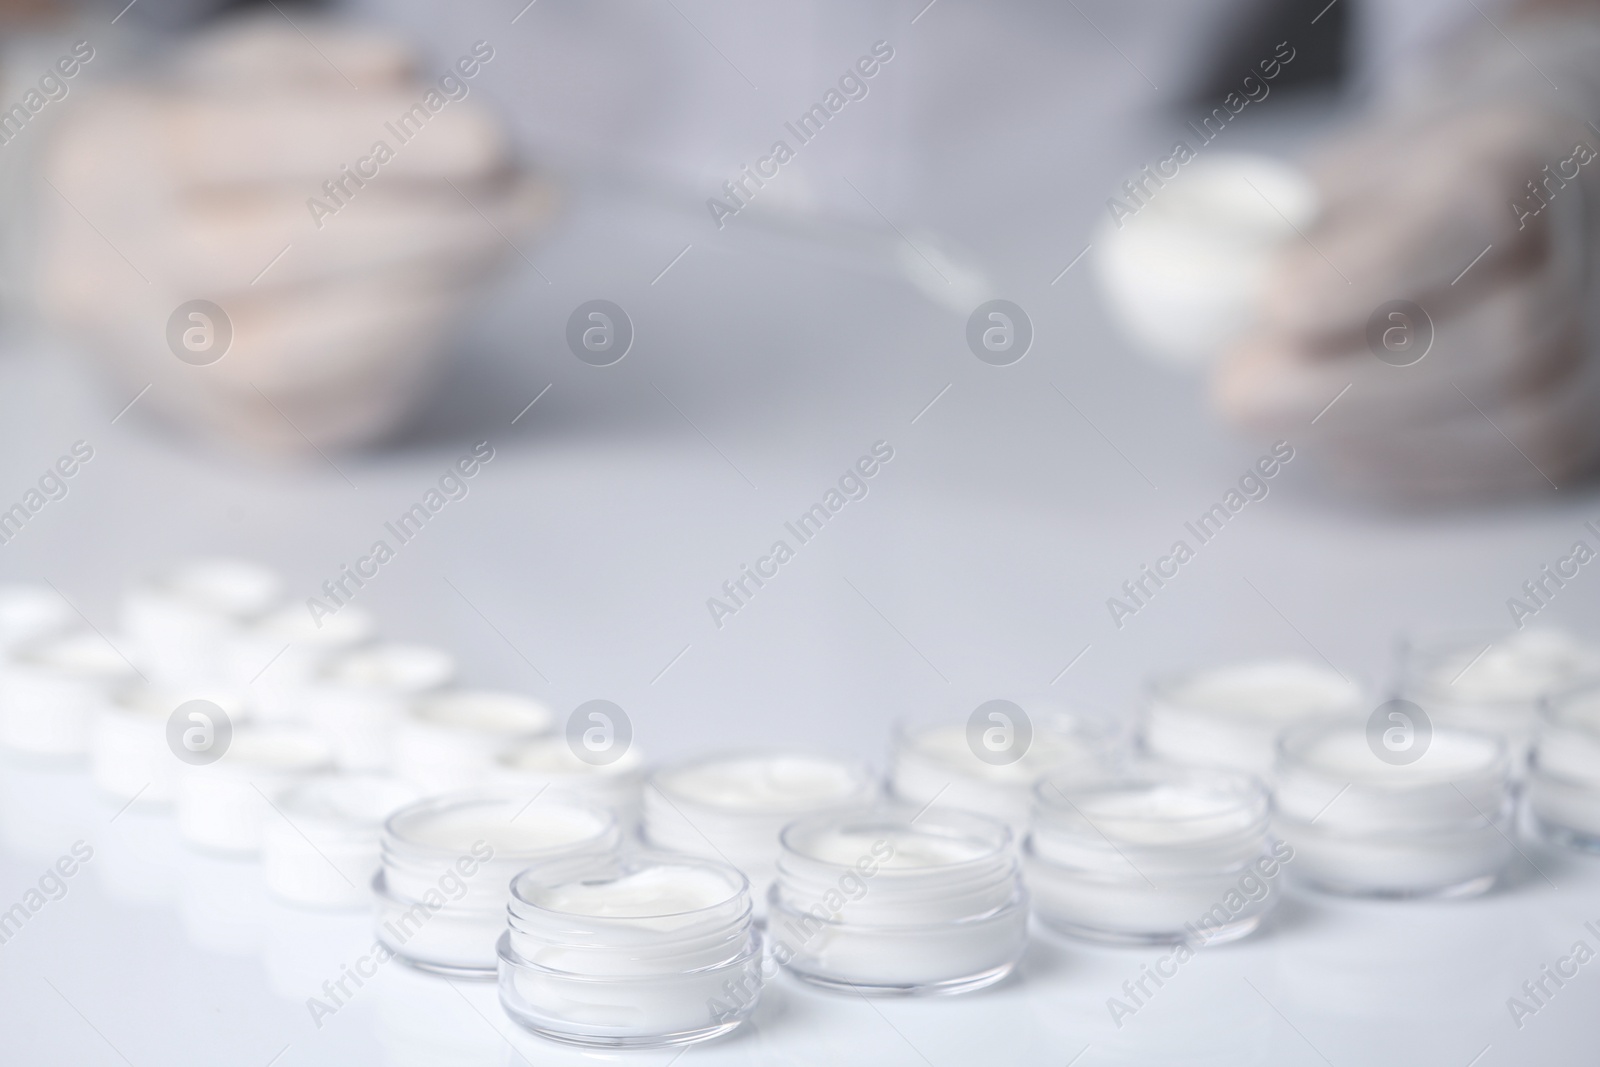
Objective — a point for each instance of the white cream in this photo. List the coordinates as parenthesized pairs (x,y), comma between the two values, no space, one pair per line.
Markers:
(321,849)
(447,868)
(875,902)
(936,765)
(276,658)
(733,807)
(1183,274)
(1363,826)
(224,806)
(1563,788)
(547,764)
(51,692)
(1155,855)
(179,621)
(359,698)
(128,754)
(449,740)
(1230,716)
(643,951)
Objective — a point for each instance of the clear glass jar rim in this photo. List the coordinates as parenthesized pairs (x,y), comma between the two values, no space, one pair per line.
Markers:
(1248,790)
(860,772)
(992,834)
(396,839)
(631,863)
(1293,742)
(750,950)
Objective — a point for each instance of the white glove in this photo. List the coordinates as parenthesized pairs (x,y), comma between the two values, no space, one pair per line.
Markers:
(1508,396)
(205,185)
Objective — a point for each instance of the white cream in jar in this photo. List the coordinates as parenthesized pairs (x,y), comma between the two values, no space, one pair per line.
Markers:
(129,757)
(224,806)
(1230,716)
(275,659)
(896,902)
(1362,826)
(448,740)
(935,764)
(641,951)
(51,692)
(322,852)
(732,807)
(1155,854)
(359,698)
(1563,786)
(447,864)
(180,621)
(548,766)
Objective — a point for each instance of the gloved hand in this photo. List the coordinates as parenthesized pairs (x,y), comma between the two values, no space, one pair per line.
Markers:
(230,180)
(1508,395)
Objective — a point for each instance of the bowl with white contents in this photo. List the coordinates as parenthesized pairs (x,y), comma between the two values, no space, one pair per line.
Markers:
(639,951)
(1154,855)
(1362,825)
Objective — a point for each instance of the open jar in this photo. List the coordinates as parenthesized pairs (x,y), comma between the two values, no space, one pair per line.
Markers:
(1563,787)
(447,868)
(1153,855)
(894,902)
(1361,825)
(640,951)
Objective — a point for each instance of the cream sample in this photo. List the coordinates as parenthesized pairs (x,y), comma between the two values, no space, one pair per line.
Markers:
(448,740)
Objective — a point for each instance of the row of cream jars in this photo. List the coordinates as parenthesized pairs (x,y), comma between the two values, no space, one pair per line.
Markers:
(732,807)
(358,700)
(178,622)
(1363,824)
(1155,853)
(1230,716)
(895,901)
(447,864)
(940,763)
(1563,786)
(642,950)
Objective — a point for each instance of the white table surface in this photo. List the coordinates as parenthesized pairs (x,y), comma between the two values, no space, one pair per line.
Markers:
(977,567)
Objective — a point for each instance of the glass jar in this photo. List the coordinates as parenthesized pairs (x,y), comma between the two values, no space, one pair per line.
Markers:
(447,864)
(641,951)
(1361,825)
(1563,788)
(1156,855)
(896,902)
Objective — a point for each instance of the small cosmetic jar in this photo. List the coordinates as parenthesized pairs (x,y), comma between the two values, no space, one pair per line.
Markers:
(323,851)
(276,658)
(447,741)
(358,700)
(732,807)
(1154,855)
(1359,825)
(32,613)
(447,864)
(224,807)
(548,765)
(1494,683)
(1563,787)
(50,693)
(1230,716)
(128,753)
(641,951)
(179,621)
(939,764)
(891,902)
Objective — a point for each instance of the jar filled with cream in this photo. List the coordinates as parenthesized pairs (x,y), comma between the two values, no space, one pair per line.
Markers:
(641,951)
(1361,824)
(447,864)
(1153,855)
(895,902)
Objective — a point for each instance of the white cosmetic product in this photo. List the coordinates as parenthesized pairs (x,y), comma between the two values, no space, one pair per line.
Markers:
(129,759)
(32,613)
(1494,683)
(549,765)
(358,700)
(643,951)
(1184,273)
(320,849)
(224,806)
(50,693)
(277,657)
(447,864)
(1153,855)
(448,741)
(1230,716)
(732,807)
(936,764)
(179,621)
(893,902)
(1362,826)
(1563,788)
